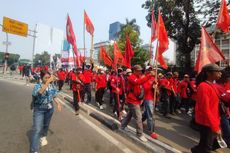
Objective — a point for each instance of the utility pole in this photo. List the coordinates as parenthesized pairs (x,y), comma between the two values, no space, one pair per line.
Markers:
(34,43)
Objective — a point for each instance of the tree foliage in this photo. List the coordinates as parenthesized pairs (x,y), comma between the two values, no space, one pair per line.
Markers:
(208,11)
(13,58)
(42,59)
(131,29)
(181,23)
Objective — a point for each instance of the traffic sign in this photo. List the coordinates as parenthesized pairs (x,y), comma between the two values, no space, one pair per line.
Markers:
(15,27)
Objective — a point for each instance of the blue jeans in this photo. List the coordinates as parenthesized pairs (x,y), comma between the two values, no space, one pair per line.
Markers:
(148,114)
(41,121)
(225,125)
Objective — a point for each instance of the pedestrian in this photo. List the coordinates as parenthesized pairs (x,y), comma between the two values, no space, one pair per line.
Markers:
(100,81)
(61,78)
(134,99)
(117,84)
(185,91)
(223,86)
(77,87)
(44,94)
(148,103)
(27,72)
(207,108)
(87,71)
(165,93)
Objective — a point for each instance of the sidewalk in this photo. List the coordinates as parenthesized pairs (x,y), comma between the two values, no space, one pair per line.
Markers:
(174,132)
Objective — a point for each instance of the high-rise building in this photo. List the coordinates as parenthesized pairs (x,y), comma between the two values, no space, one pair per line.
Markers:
(114,29)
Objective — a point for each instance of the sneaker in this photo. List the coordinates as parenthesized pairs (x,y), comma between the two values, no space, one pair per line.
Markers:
(124,112)
(43,141)
(76,112)
(178,111)
(142,138)
(154,135)
(98,104)
(101,107)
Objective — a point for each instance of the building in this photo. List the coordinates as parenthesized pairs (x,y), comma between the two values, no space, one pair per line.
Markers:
(97,49)
(222,41)
(114,29)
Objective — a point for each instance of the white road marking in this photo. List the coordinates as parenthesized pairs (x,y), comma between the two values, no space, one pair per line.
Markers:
(99,130)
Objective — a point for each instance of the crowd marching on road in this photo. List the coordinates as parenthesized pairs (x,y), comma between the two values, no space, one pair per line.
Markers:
(138,93)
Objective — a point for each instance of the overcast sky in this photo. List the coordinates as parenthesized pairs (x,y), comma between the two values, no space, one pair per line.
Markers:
(53,13)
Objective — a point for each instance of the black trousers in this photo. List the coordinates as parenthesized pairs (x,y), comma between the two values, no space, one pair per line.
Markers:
(60,84)
(86,90)
(207,138)
(76,101)
(99,95)
(172,103)
(116,107)
(165,104)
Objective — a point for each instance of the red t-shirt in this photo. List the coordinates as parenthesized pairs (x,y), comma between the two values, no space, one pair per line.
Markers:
(134,83)
(207,106)
(148,87)
(61,75)
(101,81)
(88,76)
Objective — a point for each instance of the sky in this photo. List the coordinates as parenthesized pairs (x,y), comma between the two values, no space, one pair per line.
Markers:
(53,13)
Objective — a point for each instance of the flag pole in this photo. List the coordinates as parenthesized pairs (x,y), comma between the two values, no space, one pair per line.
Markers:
(156,67)
(84,35)
(92,48)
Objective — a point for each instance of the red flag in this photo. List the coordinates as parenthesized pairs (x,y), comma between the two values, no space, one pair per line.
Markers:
(118,57)
(223,20)
(209,52)
(128,52)
(163,41)
(153,27)
(71,37)
(88,23)
(105,57)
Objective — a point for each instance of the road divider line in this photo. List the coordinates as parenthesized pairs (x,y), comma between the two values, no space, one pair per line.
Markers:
(99,130)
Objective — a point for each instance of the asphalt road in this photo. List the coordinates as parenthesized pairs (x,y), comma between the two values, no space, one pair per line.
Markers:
(68,133)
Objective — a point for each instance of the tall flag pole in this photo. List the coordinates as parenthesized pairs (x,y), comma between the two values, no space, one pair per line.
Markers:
(162,46)
(84,35)
(209,52)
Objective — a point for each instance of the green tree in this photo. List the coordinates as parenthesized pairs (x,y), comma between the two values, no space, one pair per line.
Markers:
(42,59)
(131,29)
(182,26)
(208,11)
(13,58)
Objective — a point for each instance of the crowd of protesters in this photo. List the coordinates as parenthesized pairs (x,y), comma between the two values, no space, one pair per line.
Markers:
(139,92)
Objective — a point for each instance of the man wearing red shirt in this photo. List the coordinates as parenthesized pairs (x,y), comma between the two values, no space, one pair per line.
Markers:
(88,75)
(61,78)
(166,91)
(185,91)
(148,103)
(134,99)
(77,87)
(100,80)
(117,84)
(207,108)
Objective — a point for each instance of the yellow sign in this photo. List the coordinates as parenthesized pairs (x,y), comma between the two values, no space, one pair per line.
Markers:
(15,27)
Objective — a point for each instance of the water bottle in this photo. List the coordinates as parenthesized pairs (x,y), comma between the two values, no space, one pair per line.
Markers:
(221,142)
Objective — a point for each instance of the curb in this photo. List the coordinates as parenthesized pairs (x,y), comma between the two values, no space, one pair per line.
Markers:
(151,146)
